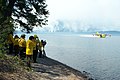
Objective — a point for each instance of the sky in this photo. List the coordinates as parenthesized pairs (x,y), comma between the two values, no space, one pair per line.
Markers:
(95,12)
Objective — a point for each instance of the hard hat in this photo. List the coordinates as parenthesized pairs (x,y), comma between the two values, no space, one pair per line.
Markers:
(35,36)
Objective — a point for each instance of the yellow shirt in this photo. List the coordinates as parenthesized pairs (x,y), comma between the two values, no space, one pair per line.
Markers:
(10,39)
(22,42)
(41,44)
(38,44)
(29,47)
(16,41)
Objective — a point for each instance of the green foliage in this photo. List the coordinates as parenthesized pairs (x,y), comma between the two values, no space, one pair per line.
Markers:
(5,28)
(6,64)
(18,63)
(12,64)
(2,56)
(25,13)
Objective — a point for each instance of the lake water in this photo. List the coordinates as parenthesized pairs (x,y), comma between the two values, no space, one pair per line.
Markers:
(98,56)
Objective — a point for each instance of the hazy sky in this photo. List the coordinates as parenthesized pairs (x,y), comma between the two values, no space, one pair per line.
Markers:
(89,11)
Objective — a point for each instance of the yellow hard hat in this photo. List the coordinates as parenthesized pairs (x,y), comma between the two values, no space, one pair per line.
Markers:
(35,36)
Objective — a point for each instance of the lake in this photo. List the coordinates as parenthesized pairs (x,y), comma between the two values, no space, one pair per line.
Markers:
(98,56)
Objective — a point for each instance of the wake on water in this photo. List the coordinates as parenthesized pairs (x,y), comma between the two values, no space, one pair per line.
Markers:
(93,36)
(88,36)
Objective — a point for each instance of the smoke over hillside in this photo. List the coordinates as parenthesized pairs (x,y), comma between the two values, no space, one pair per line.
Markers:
(78,26)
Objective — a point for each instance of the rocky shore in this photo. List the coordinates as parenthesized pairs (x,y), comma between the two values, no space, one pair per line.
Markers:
(45,69)
(56,70)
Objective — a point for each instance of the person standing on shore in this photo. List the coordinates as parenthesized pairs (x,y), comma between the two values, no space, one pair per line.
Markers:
(29,50)
(38,47)
(10,41)
(16,45)
(22,45)
(35,50)
(43,43)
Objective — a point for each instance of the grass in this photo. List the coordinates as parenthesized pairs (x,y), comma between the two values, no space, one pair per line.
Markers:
(11,63)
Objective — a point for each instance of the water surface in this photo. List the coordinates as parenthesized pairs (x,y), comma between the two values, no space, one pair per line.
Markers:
(98,56)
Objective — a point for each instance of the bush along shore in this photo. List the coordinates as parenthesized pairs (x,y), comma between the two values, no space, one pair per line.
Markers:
(12,68)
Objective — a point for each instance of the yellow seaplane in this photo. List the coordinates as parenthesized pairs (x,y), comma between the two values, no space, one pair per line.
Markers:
(101,35)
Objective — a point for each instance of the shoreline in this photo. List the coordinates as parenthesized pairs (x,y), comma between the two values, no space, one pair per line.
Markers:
(12,68)
(56,70)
